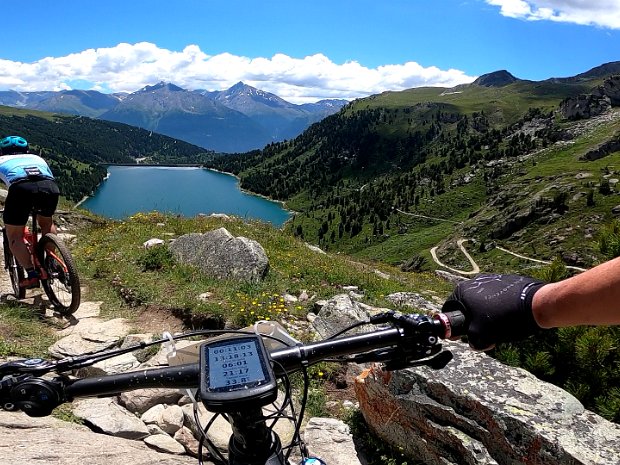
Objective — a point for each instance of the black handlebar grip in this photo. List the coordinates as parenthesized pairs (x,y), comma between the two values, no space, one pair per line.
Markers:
(454,323)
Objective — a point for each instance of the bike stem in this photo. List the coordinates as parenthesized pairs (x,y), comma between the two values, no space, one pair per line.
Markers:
(252,442)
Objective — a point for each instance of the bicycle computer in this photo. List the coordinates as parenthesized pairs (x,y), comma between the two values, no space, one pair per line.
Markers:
(235,372)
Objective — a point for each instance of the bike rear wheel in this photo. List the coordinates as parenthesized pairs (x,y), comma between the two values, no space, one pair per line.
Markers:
(16,271)
(62,284)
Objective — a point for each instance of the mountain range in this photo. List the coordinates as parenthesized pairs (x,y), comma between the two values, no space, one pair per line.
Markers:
(238,119)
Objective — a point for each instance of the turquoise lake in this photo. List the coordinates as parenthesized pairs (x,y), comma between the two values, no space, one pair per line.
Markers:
(180,190)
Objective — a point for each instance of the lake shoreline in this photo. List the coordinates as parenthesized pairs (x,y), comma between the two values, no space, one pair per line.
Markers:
(86,197)
(169,165)
(281,202)
(187,190)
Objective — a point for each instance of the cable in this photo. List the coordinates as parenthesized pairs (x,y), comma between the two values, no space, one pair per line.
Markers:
(349,328)
(211,447)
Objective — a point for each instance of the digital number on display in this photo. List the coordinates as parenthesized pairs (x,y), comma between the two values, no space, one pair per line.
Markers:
(234,365)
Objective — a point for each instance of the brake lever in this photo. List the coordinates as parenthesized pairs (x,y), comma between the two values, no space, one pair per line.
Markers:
(379,355)
(396,359)
(436,362)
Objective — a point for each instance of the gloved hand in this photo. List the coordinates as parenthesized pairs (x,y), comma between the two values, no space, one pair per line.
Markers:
(498,308)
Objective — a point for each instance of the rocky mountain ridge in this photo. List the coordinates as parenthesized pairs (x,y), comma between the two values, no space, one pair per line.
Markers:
(238,119)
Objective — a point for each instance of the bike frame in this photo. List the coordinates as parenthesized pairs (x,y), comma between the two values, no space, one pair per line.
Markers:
(33,242)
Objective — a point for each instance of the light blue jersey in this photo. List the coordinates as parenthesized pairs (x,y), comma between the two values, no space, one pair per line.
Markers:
(17,167)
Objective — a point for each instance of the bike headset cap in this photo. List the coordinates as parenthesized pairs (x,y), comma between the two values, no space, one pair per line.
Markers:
(13,144)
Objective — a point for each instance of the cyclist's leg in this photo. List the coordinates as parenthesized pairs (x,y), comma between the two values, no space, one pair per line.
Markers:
(47,224)
(46,202)
(15,234)
(16,210)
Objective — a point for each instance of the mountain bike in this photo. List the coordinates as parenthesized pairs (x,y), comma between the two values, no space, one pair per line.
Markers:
(238,372)
(57,270)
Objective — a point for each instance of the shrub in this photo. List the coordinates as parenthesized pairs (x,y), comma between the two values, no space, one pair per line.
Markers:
(554,272)
(156,258)
(609,240)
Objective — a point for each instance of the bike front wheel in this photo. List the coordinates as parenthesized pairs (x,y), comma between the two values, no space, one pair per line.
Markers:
(16,271)
(62,284)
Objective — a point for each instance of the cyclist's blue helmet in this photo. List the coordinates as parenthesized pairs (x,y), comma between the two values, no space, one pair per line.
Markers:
(13,144)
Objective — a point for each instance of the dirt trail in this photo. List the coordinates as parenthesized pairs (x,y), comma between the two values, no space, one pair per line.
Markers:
(5,282)
(475,268)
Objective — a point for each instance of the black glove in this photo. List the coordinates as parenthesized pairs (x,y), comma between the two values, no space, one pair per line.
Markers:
(498,308)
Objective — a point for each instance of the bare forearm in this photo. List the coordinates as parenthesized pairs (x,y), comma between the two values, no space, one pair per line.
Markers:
(590,298)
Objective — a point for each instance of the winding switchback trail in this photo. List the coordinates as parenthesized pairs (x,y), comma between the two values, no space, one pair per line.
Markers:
(476,268)
(460,242)
(545,262)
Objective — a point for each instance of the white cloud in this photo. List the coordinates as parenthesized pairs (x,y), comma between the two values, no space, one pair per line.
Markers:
(129,67)
(603,13)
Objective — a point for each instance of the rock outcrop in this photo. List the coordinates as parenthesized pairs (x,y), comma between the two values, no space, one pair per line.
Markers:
(588,105)
(584,106)
(479,411)
(607,148)
(49,440)
(611,89)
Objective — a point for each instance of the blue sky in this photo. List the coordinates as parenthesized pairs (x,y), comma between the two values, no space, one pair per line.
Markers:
(299,49)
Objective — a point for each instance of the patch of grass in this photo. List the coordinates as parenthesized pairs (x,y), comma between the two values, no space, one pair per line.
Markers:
(113,260)
(65,413)
(23,333)
(317,398)
(155,258)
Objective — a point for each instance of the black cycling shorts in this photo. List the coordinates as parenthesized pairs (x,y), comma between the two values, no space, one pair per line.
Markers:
(24,196)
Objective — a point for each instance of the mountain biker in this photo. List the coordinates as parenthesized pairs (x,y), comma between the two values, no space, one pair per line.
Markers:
(31,185)
(505,307)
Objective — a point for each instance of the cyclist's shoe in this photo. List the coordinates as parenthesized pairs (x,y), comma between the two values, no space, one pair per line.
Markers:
(29,283)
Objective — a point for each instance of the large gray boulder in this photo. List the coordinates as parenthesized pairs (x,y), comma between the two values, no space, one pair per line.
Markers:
(219,254)
(338,313)
(478,411)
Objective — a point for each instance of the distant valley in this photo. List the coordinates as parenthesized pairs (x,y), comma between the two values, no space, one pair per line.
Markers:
(238,119)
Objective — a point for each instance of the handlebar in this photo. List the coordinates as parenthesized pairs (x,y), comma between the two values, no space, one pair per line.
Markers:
(400,341)
(413,340)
